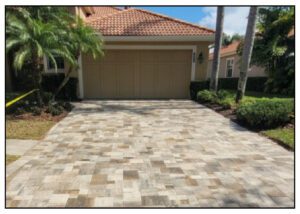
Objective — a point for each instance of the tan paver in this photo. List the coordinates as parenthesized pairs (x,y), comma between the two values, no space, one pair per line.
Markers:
(151,153)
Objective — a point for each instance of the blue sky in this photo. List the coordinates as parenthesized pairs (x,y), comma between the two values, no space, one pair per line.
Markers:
(235,19)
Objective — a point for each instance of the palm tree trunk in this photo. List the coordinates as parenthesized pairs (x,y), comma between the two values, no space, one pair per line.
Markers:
(218,42)
(37,79)
(247,52)
(66,79)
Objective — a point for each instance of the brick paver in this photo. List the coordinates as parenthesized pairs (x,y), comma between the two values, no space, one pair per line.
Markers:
(151,153)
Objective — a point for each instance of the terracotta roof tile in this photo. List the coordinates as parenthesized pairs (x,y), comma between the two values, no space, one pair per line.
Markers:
(227,49)
(102,12)
(137,22)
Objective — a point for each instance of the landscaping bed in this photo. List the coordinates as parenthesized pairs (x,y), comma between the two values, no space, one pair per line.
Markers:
(269,115)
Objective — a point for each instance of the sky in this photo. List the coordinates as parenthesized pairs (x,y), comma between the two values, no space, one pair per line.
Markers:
(235,18)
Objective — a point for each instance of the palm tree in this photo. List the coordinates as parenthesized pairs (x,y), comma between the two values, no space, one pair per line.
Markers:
(81,39)
(247,52)
(218,42)
(31,38)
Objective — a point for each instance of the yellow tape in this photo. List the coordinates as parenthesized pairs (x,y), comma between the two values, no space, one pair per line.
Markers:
(19,98)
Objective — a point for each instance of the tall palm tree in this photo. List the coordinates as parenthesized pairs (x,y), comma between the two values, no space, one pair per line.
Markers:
(31,38)
(218,42)
(81,39)
(247,52)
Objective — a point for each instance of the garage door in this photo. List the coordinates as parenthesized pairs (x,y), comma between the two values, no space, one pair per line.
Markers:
(137,74)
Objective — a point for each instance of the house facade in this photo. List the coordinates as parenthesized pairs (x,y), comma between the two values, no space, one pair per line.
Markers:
(146,55)
(230,64)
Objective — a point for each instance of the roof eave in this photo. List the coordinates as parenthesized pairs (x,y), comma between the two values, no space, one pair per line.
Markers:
(194,38)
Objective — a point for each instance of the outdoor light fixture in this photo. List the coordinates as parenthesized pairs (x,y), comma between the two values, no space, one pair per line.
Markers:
(200,58)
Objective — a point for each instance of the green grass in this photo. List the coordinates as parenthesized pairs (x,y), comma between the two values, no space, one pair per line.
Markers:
(11,158)
(27,129)
(285,135)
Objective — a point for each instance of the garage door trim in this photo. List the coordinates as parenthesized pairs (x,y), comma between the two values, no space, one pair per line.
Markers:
(142,47)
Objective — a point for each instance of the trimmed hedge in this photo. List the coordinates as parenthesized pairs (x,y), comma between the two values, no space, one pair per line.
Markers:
(50,83)
(253,84)
(266,113)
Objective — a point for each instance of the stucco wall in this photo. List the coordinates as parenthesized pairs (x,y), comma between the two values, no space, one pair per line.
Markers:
(254,72)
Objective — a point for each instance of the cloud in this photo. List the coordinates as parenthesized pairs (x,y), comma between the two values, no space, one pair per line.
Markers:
(235,19)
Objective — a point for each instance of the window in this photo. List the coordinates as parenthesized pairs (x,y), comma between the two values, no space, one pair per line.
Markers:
(229,67)
(59,62)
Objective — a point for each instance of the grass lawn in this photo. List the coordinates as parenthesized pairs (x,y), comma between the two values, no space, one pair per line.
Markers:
(27,129)
(285,135)
(11,158)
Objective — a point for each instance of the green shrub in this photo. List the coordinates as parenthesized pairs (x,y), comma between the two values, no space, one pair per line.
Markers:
(226,103)
(223,94)
(195,87)
(68,106)
(207,96)
(265,113)
(54,109)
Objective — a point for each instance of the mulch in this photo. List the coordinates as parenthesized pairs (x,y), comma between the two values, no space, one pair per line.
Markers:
(43,116)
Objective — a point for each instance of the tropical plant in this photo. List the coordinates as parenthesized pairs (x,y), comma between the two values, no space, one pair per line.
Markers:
(32,35)
(274,48)
(213,85)
(82,39)
(247,52)
(227,39)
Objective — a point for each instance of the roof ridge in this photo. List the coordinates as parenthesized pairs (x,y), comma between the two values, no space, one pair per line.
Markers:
(108,15)
(173,19)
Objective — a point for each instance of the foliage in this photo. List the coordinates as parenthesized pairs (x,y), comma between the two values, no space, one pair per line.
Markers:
(35,32)
(55,109)
(227,39)
(207,96)
(265,113)
(274,48)
(253,84)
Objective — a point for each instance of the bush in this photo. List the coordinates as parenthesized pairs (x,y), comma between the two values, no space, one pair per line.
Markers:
(68,106)
(253,84)
(207,96)
(222,94)
(225,103)
(195,87)
(265,113)
(55,109)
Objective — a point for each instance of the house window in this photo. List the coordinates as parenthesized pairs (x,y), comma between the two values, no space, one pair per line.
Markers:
(59,62)
(229,67)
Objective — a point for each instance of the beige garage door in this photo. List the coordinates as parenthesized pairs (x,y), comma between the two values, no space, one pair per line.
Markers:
(137,74)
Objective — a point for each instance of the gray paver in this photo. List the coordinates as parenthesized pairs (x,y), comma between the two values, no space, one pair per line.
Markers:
(151,153)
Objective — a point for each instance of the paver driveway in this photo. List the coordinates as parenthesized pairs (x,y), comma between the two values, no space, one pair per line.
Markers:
(150,153)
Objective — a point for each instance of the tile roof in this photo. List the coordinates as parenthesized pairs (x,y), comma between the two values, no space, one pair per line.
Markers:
(227,49)
(101,12)
(137,22)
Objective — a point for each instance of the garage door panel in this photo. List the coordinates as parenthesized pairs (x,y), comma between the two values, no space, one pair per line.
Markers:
(147,80)
(126,80)
(145,74)
(108,80)
(164,83)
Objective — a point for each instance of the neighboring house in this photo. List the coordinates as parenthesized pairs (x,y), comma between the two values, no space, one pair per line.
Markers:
(147,55)
(230,63)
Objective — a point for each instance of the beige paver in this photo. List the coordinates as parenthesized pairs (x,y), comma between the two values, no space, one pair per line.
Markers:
(151,153)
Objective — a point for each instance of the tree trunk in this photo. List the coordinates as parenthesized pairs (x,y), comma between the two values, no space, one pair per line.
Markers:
(63,83)
(37,79)
(66,79)
(247,52)
(216,58)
